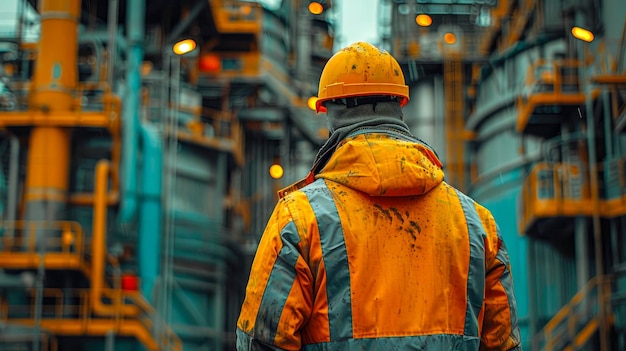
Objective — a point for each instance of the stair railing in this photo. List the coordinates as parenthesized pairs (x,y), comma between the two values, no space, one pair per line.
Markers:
(576,322)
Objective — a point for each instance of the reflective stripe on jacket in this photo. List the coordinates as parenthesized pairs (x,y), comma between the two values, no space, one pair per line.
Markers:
(379,253)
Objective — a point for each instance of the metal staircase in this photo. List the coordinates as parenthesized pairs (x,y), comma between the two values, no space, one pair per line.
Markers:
(576,323)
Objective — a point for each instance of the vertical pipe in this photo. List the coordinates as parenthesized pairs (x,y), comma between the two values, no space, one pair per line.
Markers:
(221,163)
(55,73)
(47,176)
(303,44)
(285,155)
(112,44)
(98,240)
(593,179)
(222,264)
(161,294)
(39,299)
(608,135)
(532,291)
(582,255)
(12,182)
(150,211)
(172,67)
(258,208)
(439,110)
(621,228)
(172,169)
(53,83)
(109,341)
(620,51)
(135,19)
(615,251)
(220,296)
(99,245)
(20,21)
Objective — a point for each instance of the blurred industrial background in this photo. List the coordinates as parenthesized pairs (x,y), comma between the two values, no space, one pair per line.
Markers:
(142,144)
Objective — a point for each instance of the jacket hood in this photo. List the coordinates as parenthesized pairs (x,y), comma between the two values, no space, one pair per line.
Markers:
(381,164)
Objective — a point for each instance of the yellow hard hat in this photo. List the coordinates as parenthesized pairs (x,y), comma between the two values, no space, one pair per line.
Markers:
(361,69)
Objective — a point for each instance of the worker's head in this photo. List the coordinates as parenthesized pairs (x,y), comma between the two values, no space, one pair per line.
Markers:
(359,74)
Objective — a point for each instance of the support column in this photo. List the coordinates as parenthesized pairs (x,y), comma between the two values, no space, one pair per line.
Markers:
(52,92)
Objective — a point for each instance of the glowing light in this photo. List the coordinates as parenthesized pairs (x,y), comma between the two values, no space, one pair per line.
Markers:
(9,69)
(423,20)
(316,8)
(209,63)
(245,10)
(146,68)
(129,282)
(311,102)
(582,34)
(276,171)
(184,46)
(547,77)
(449,38)
(67,238)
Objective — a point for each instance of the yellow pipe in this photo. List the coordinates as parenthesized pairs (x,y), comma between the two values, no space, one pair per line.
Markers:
(95,327)
(53,84)
(99,247)
(55,75)
(47,177)
(87,199)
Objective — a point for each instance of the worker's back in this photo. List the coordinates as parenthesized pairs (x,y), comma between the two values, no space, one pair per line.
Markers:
(384,255)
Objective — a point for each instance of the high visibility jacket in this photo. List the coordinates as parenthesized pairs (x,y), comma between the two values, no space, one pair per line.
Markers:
(379,253)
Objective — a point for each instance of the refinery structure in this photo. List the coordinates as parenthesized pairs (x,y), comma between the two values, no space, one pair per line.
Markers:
(137,139)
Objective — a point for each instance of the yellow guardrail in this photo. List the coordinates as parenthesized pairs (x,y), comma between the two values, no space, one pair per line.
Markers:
(555,189)
(61,244)
(232,16)
(574,324)
(550,83)
(69,312)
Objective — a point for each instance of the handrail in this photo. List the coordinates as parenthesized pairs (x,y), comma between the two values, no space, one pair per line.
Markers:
(226,138)
(616,166)
(71,240)
(110,110)
(236,16)
(76,316)
(551,75)
(217,117)
(559,187)
(550,83)
(98,244)
(110,101)
(575,322)
(563,189)
(119,309)
(169,337)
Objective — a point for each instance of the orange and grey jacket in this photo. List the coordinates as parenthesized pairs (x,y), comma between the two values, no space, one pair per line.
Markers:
(379,253)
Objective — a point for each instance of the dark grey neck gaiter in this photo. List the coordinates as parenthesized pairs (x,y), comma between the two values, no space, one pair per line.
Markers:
(343,121)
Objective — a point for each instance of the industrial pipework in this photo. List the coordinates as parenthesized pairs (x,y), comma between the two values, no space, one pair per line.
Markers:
(53,86)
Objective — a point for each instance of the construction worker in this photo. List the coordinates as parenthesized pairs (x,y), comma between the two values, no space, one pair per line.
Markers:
(373,250)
